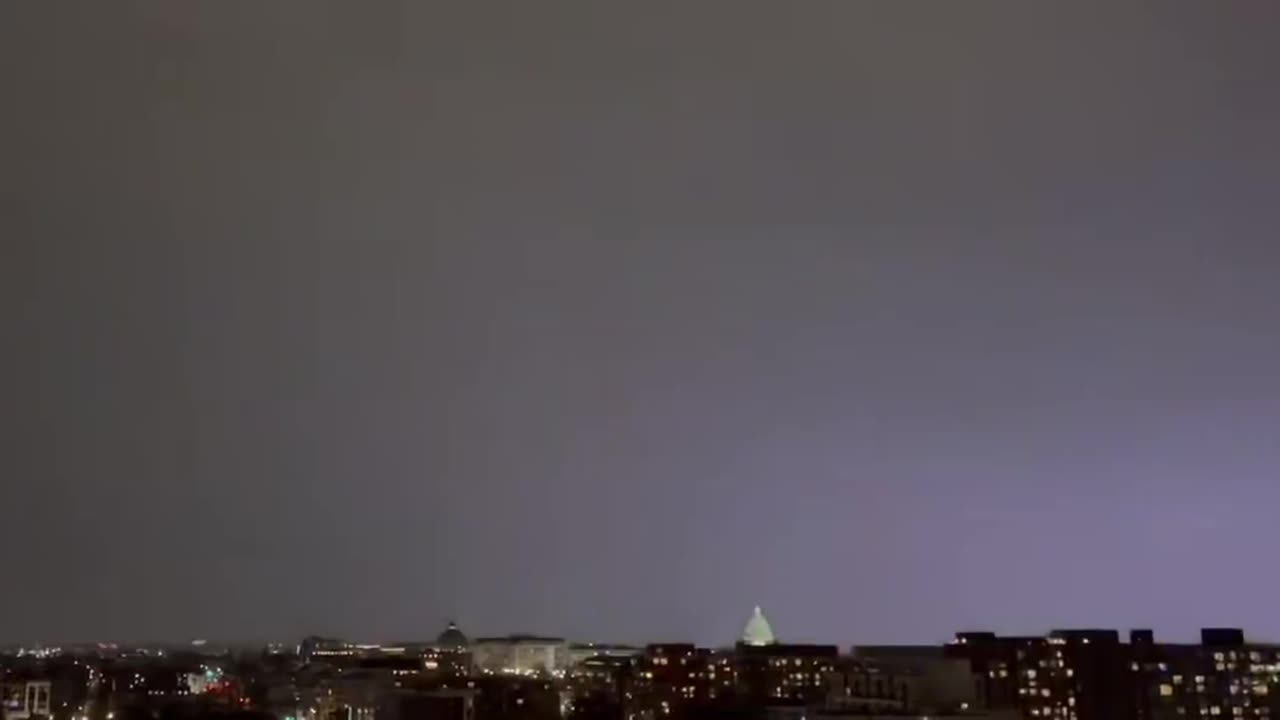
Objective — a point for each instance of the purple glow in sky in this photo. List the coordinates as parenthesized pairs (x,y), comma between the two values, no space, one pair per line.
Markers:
(896,319)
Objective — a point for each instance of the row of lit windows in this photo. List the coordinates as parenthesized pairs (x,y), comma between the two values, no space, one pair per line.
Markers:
(782,662)
(1254,656)
(780,692)
(1217,710)
(1032,691)
(1226,661)
(1260,671)
(1258,689)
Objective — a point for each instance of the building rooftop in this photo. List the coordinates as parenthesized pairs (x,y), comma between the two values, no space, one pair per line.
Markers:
(521,639)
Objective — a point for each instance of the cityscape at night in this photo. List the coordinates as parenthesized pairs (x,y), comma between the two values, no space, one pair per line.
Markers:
(1082,674)
(660,360)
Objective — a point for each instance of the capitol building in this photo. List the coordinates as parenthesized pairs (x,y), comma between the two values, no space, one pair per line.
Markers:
(758,632)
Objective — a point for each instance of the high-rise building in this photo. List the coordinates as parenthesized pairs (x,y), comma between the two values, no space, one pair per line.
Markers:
(784,673)
(1222,678)
(1093,675)
(1067,675)
(669,677)
(994,660)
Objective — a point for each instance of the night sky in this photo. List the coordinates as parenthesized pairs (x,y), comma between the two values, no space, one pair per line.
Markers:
(614,320)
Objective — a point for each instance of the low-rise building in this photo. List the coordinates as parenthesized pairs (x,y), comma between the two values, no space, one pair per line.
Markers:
(528,655)
(909,678)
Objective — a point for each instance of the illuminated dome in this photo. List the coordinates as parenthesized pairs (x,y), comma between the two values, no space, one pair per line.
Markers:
(757,632)
(452,639)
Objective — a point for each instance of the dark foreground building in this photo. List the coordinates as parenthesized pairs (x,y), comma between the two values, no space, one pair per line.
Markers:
(1095,675)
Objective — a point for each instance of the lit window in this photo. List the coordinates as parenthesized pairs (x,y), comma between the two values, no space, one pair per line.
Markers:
(1166,690)
(1215,710)
(1031,674)
(1260,689)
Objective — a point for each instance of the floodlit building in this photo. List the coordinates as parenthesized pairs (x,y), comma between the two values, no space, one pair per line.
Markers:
(581,652)
(758,632)
(520,655)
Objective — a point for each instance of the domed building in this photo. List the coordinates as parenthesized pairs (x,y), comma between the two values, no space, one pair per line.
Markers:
(452,639)
(450,655)
(758,632)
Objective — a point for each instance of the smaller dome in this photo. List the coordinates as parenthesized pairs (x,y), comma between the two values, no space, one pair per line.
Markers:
(452,638)
(758,632)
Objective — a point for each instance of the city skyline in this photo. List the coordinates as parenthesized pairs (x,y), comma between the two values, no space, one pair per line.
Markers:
(1069,674)
(199,642)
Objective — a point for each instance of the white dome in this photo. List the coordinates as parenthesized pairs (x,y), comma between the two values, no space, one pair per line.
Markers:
(757,632)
